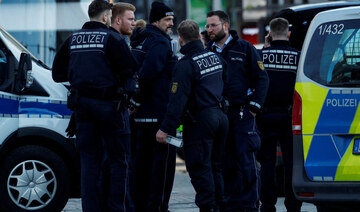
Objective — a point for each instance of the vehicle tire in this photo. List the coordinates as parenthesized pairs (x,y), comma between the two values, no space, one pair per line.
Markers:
(33,178)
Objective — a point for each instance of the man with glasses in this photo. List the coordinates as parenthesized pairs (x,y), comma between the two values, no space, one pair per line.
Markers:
(245,92)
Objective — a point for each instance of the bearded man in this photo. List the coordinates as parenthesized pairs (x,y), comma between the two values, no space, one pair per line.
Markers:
(245,92)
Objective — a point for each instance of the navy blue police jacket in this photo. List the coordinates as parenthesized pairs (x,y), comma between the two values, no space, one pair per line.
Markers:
(130,83)
(93,58)
(281,62)
(152,49)
(197,84)
(245,70)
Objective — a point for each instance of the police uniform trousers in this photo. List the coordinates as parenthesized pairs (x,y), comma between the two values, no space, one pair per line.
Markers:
(274,128)
(204,140)
(133,138)
(241,170)
(154,170)
(100,138)
(125,136)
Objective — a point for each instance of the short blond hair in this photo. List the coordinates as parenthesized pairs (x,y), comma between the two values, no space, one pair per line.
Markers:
(140,23)
(119,8)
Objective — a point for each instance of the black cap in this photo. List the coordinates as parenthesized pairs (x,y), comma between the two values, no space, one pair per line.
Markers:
(158,11)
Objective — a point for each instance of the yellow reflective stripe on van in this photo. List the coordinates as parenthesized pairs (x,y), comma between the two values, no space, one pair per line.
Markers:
(316,101)
(315,98)
(348,168)
(306,144)
(355,126)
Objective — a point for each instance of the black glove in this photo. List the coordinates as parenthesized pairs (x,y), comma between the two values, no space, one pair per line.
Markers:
(71,128)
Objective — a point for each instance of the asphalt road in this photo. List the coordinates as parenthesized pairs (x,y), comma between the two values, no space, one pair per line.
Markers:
(182,197)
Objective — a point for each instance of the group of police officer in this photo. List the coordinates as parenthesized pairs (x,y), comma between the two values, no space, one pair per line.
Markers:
(216,93)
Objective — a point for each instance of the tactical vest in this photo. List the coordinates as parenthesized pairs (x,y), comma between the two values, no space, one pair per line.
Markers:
(209,84)
(280,59)
(281,64)
(88,65)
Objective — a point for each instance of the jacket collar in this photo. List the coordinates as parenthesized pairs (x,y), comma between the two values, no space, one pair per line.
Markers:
(113,29)
(154,29)
(234,35)
(192,46)
(94,25)
(280,43)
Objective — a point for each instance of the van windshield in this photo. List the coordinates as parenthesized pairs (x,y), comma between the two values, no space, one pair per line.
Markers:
(333,56)
(21,47)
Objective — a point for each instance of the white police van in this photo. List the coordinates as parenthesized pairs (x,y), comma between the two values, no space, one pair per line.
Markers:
(326,113)
(39,165)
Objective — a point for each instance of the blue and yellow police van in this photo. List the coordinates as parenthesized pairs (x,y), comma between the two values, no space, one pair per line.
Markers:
(326,113)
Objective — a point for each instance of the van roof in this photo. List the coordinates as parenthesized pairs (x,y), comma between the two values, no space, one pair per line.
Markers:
(299,14)
(338,14)
(300,17)
(315,6)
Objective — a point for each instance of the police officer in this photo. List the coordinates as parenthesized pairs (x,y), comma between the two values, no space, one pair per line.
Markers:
(246,73)
(123,23)
(281,62)
(94,60)
(197,87)
(154,162)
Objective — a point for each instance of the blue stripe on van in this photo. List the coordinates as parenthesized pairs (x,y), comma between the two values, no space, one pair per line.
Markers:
(337,113)
(11,105)
(8,106)
(330,140)
(41,108)
(325,155)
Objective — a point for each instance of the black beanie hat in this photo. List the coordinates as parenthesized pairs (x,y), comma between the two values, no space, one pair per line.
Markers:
(158,11)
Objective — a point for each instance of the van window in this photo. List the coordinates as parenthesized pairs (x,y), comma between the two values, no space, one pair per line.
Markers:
(4,67)
(333,56)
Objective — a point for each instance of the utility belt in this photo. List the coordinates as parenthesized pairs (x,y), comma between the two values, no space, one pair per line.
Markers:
(197,110)
(111,93)
(189,114)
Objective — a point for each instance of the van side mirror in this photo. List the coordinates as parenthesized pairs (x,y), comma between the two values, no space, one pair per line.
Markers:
(23,77)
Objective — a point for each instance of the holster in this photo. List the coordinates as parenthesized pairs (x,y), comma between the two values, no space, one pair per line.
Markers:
(71,128)
(72,99)
(224,105)
(122,100)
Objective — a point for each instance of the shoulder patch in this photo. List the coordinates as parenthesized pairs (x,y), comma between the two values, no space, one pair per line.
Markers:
(174,87)
(261,65)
